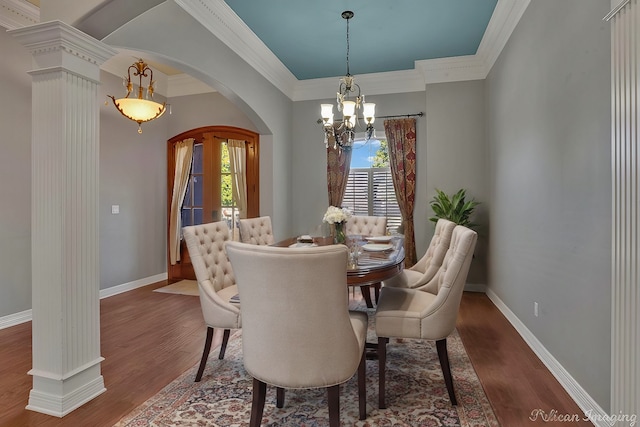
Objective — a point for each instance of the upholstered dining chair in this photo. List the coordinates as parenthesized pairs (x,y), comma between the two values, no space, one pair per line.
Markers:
(216,283)
(256,231)
(420,275)
(414,313)
(367,226)
(297,330)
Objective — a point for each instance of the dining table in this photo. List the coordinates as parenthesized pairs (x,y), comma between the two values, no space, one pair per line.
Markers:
(372,259)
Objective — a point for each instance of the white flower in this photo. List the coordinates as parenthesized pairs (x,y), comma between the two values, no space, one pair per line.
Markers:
(334,215)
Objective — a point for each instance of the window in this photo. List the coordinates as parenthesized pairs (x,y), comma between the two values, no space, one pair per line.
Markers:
(369,188)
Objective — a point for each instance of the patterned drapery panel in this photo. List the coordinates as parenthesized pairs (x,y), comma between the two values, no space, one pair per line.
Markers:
(338,166)
(401,138)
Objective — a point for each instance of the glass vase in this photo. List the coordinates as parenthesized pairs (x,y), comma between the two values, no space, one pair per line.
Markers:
(339,237)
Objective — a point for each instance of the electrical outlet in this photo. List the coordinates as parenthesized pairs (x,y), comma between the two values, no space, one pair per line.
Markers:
(115,209)
(535,309)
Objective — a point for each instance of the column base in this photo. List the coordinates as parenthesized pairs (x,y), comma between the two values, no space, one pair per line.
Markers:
(56,396)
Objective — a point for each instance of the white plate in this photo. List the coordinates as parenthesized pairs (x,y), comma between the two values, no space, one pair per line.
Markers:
(373,247)
(380,239)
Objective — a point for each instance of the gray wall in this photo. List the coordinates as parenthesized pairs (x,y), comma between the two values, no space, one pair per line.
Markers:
(456,157)
(133,175)
(548,98)
(15,177)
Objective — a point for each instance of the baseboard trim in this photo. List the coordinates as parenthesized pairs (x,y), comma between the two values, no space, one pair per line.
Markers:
(15,319)
(125,287)
(27,315)
(586,403)
(475,287)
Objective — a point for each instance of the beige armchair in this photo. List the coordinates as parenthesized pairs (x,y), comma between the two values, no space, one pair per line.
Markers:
(413,313)
(420,275)
(256,231)
(297,330)
(216,282)
(366,225)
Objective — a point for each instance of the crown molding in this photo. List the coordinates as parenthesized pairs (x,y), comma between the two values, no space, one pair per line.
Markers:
(373,84)
(454,69)
(17,14)
(222,22)
(504,20)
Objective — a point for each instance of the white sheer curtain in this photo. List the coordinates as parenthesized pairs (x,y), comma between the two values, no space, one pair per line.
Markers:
(238,160)
(184,154)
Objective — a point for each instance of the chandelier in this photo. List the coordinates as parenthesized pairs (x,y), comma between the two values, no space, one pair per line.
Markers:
(349,102)
(139,109)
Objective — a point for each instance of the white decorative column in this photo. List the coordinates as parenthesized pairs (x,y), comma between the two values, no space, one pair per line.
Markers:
(625,156)
(64,216)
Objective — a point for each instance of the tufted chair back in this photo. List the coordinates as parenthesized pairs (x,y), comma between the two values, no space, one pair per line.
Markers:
(412,313)
(420,275)
(449,282)
(367,225)
(213,270)
(297,328)
(216,282)
(256,231)
(211,265)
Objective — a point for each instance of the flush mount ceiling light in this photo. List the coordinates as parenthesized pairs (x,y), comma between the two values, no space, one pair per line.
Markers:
(140,109)
(349,102)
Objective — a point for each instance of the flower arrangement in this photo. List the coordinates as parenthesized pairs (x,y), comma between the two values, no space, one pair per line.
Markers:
(337,217)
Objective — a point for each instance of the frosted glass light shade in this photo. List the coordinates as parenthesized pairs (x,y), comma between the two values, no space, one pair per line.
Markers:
(348,108)
(139,110)
(326,111)
(369,112)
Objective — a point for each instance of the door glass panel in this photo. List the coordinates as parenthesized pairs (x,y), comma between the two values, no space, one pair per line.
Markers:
(197,216)
(229,209)
(193,199)
(197,158)
(186,217)
(225,189)
(198,190)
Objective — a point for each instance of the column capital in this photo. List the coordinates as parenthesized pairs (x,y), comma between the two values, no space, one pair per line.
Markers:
(55,45)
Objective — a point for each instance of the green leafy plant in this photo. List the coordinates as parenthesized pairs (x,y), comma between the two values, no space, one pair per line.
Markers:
(455,208)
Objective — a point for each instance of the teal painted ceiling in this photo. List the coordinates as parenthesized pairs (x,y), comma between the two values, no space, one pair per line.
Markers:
(310,37)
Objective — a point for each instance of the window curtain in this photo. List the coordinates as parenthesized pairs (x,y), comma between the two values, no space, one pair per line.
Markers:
(238,161)
(183,155)
(338,166)
(401,138)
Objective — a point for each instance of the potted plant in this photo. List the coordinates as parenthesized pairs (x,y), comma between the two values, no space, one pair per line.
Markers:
(455,208)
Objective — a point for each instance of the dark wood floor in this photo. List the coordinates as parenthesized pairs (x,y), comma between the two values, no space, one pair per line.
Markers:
(149,338)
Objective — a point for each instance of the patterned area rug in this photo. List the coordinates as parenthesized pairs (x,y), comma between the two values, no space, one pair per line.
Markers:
(416,393)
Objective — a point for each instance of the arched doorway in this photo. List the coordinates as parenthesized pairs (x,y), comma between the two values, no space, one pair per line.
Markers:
(208,193)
